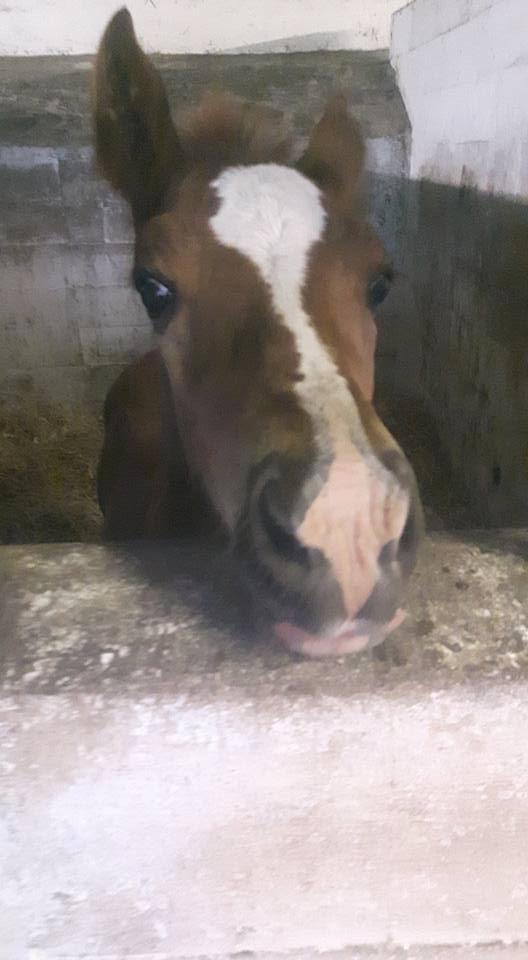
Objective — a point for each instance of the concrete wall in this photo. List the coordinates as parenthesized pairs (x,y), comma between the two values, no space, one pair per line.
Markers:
(462,67)
(68,316)
(185,26)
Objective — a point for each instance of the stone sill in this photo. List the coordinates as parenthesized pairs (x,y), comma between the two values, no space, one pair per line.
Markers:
(172,786)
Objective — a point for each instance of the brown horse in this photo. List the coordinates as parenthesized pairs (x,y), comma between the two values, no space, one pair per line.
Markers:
(255,412)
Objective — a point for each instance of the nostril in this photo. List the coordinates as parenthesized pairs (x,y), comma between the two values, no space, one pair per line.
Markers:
(408,537)
(406,548)
(395,461)
(402,551)
(388,554)
(278,531)
(408,543)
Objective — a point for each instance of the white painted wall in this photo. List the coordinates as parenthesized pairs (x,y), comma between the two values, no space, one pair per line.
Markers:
(462,67)
(34,27)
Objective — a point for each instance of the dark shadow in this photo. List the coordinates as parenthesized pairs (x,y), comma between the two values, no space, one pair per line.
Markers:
(196,569)
(453,347)
(199,578)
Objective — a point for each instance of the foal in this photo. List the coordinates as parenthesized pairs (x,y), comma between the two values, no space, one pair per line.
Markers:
(255,411)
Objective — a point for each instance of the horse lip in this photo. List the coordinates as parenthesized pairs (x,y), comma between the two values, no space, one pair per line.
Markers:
(351,637)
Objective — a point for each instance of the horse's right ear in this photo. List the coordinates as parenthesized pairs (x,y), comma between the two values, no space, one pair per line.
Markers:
(136,145)
(335,155)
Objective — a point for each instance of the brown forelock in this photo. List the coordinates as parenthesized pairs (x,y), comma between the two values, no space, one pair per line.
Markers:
(223,130)
(335,297)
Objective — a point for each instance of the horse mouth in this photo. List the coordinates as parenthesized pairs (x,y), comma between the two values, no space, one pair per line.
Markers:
(351,637)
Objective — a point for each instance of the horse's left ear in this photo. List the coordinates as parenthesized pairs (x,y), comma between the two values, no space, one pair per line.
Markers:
(136,144)
(335,155)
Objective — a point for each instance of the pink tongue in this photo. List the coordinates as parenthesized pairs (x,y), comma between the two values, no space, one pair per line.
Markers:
(300,641)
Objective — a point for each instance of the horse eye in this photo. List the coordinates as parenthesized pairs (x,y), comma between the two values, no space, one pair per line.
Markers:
(157,296)
(378,289)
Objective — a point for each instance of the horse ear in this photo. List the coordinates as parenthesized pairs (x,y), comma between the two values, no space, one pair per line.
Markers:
(136,145)
(335,155)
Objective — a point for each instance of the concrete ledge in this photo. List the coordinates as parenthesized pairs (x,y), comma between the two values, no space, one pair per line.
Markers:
(173,787)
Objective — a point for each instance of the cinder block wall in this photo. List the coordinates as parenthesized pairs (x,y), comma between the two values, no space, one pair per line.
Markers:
(462,68)
(69,318)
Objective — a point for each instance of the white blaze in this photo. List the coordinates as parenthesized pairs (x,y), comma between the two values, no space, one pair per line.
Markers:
(273,215)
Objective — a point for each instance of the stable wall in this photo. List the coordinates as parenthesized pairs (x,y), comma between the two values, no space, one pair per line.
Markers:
(462,68)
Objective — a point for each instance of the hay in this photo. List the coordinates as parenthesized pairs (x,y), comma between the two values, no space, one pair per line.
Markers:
(48,459)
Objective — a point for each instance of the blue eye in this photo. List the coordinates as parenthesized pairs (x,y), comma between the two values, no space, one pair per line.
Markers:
(378,289)
(159,298)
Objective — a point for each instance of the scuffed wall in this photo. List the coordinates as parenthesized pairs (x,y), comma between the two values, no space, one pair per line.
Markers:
(462,67)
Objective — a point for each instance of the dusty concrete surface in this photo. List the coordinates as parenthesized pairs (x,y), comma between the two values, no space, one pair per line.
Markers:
(127,617)
(172,786)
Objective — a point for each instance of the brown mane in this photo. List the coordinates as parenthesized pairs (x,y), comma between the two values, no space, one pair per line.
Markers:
(224,130)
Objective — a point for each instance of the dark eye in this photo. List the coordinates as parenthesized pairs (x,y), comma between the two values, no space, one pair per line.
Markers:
(378,289)
(158,296)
